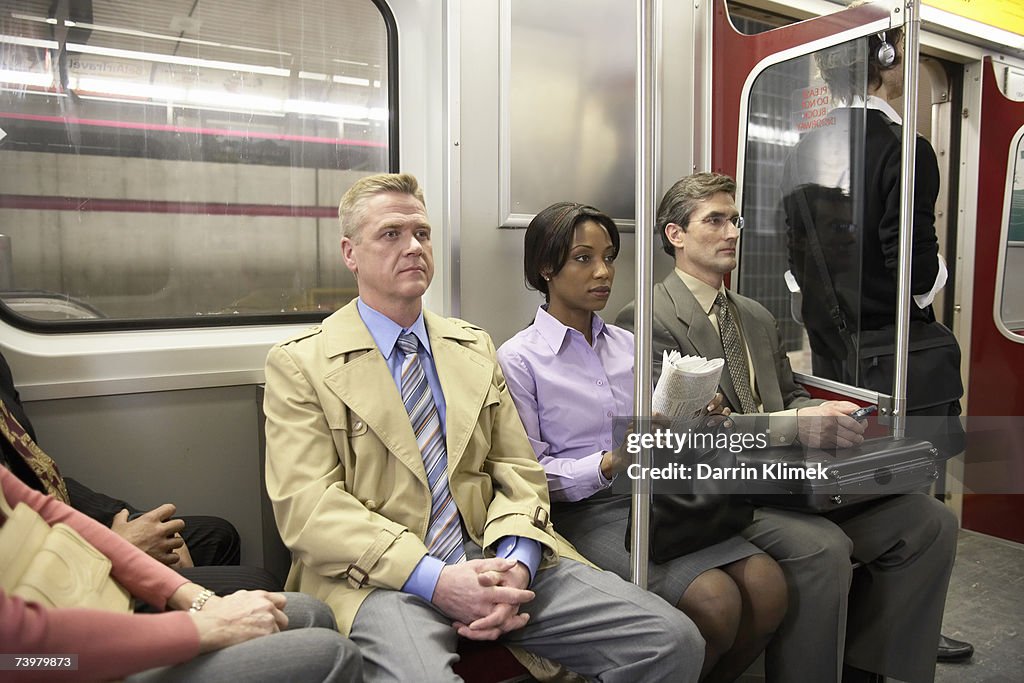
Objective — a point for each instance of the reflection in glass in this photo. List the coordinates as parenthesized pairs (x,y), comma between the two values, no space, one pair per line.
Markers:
(179,159)
(803,200)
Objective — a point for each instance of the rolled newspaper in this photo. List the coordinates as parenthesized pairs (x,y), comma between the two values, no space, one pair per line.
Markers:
(686,387)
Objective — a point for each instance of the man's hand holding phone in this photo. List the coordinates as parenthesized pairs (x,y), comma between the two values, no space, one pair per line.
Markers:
(862,414)
(830,425)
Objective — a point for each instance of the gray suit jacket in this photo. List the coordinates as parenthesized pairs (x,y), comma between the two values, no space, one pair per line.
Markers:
(679,323)
(890,636)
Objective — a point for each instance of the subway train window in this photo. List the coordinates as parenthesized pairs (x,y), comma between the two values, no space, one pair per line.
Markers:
(179,162)
(1011,308)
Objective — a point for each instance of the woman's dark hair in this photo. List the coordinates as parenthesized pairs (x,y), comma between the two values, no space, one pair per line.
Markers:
(549,239)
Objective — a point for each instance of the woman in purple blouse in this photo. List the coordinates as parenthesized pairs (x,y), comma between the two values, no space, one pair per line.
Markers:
(570,375)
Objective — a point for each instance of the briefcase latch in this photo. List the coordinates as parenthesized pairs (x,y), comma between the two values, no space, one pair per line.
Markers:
(833,474)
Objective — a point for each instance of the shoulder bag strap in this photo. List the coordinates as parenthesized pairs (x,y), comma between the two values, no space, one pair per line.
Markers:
(835,310)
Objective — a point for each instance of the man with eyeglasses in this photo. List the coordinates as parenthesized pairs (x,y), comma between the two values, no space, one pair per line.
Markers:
(887,624)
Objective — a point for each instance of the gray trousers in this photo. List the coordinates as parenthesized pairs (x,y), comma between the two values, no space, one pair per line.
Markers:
(887,616)
(310,650)
(589,620)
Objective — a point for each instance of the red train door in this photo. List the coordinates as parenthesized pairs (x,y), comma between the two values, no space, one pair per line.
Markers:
(995,457)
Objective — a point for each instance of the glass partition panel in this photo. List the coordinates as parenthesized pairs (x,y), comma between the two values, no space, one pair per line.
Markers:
(168,161)
(803,200)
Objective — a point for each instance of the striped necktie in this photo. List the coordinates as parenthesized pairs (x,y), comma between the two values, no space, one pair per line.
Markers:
(38,461)
(735,355)
(444,534)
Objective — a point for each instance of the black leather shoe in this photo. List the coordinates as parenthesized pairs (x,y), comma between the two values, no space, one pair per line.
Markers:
(954,650)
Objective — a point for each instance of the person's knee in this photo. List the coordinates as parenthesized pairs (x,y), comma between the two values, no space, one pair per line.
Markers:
(763,587)
(305,611)
(798,540)
(946,527)
(348,661)
(332,658)
(224,580)
(941,529)
(714,603)
(814,555)
(213,541)
(823,557)
(677,640)
(929,528)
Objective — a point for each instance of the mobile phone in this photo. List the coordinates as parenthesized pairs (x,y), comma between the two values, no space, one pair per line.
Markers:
(862,414)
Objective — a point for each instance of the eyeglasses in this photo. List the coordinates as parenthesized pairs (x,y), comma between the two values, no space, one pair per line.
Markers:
(718,222)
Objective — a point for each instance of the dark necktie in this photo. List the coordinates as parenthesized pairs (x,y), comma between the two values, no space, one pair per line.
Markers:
(444,534)
(39,462)
(735,355)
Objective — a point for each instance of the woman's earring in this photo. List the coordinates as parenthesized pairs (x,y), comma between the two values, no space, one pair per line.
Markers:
(547,278)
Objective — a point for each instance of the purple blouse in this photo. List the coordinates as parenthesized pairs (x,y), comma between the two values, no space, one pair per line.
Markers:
(568,394)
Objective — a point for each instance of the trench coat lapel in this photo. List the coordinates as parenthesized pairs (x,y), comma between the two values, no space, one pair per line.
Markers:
(361,379)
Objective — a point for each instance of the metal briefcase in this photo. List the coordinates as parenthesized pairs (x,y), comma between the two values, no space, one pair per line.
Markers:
(814,480)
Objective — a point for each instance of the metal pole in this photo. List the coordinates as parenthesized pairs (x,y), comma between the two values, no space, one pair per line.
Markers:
(646,163)
(912,34)
(452,157)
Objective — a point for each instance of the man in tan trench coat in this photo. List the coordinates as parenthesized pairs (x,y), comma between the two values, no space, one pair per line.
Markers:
(359,508)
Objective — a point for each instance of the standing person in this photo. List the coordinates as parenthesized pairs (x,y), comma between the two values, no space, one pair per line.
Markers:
(570,375)
(201,638)
(887,618)
(841,198)
(409,495)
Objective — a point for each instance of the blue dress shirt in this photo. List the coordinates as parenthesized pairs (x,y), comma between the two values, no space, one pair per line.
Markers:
(385,333)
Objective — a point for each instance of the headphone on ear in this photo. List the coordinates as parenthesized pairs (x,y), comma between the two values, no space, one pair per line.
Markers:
(885,54)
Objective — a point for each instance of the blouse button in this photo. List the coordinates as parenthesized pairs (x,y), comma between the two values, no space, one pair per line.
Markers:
(600,383)
(611,414)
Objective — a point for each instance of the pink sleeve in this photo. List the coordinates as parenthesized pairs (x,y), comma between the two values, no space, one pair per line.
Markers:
(109,645)
(143,576)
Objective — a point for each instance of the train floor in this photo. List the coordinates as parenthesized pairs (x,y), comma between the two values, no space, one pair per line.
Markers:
(985,606)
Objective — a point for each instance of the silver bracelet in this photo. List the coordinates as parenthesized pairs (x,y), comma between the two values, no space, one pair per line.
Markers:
(200,600)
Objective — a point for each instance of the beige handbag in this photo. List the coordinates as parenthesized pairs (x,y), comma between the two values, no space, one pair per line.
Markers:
(54,566)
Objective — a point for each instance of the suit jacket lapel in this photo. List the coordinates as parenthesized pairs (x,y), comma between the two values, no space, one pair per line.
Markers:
(364,383)
(699,331)
(465,378)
